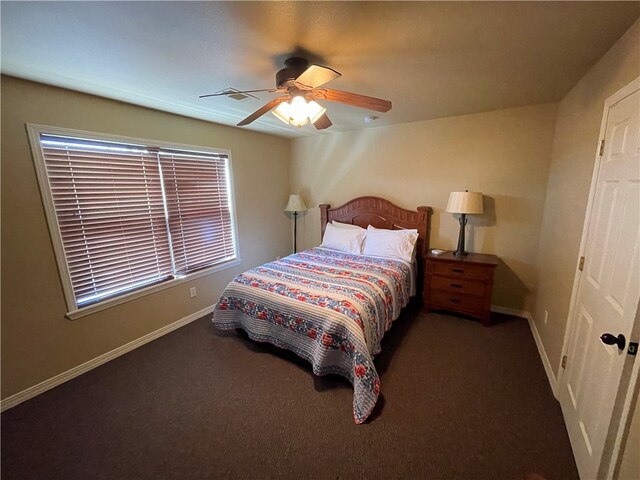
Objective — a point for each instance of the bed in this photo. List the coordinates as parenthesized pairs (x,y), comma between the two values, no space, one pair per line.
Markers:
(332,307)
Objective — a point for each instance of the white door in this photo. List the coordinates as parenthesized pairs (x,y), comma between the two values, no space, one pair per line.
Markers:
(608,290)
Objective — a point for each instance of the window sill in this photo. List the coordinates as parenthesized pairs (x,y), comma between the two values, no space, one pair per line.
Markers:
(90,309)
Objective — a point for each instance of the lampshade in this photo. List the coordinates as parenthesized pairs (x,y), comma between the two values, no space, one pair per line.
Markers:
(314,111)
(296,204)
(465,202)
(282,112)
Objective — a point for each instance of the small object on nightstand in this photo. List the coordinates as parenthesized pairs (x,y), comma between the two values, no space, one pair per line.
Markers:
(437,251)
(461,284)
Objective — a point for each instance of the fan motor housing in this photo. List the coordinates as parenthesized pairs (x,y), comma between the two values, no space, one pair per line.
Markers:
(294,67)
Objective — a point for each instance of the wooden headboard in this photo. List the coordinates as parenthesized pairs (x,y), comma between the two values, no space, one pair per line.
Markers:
(381,213)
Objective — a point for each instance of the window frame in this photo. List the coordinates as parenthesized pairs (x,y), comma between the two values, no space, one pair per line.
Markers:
(73,311)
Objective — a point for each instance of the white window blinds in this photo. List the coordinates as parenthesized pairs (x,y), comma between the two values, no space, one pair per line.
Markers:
(199,208)
(130,216)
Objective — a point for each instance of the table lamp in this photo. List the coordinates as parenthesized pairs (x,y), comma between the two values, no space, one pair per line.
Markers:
(465,203)
(295,205)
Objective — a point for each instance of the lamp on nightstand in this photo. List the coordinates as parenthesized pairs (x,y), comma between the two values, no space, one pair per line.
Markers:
(295,205)
(465,203)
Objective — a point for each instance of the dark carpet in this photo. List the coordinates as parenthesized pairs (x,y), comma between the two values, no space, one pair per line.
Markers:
(459,400)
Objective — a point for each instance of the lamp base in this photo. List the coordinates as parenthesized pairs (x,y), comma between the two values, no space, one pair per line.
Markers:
(295,232)
(460,250)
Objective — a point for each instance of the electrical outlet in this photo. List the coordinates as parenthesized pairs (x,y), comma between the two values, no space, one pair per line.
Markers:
(193,292)
(546,316)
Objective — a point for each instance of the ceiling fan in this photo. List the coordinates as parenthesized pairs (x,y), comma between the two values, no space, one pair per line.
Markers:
(299,83)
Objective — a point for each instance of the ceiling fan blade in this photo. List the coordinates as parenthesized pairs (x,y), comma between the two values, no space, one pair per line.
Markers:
(316,75)
(234,92)
(262,110)
(362,101)
(323,122)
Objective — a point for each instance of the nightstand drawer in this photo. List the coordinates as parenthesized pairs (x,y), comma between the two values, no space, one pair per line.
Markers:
(454,301)
(458,285)
(460,270)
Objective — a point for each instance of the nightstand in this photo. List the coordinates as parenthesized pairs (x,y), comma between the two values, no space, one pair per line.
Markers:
(460,284)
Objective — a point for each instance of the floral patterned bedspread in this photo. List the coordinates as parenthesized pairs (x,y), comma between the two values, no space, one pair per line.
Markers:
(329,307)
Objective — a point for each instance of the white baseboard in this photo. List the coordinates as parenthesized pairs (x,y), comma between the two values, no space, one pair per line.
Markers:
(536,336)
(41,387)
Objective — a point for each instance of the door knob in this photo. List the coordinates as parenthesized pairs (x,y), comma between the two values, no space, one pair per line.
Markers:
(610,339)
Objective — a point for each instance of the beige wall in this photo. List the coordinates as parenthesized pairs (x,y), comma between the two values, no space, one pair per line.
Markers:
(37,341)
(572,160)
(504,154)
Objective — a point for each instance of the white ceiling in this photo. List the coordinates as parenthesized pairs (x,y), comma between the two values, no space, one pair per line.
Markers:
(431,59)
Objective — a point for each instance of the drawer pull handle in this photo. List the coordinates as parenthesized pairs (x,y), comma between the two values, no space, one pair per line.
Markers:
(454,300)
(457,270)
(456,285)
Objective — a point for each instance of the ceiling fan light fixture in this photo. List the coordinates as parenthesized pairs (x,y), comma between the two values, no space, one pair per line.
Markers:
(296,113)
(291,115)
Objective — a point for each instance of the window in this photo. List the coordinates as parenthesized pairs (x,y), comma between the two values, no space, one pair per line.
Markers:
(126,215)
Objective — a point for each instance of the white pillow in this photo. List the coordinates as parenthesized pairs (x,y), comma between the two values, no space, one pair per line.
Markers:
(345,239)
(391,243)
(346,225)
